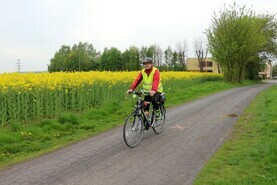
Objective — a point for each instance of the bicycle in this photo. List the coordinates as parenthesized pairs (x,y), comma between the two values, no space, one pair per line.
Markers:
(138,120)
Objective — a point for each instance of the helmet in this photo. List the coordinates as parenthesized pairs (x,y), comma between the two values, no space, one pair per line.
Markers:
(147,60)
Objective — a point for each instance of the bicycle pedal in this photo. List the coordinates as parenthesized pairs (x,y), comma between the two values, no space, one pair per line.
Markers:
(156,125)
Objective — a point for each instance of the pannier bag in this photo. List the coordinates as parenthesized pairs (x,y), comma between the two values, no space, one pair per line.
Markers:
(162,97)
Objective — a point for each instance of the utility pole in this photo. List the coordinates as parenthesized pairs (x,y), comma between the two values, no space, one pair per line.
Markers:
(18,65)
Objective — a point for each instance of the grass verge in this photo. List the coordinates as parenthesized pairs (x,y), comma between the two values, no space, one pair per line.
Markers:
(249,156)
(23,141)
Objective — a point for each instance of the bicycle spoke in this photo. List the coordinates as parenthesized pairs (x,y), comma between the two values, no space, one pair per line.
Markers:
(132,130)
(158,125)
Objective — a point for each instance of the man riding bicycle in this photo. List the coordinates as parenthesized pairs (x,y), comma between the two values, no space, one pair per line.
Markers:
(151,81)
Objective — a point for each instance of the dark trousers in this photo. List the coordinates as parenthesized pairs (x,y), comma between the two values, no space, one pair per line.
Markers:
(155,101)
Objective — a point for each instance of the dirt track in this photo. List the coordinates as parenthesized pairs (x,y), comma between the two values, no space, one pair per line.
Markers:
(192,134)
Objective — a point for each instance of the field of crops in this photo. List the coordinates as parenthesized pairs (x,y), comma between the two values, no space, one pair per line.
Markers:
(25,97)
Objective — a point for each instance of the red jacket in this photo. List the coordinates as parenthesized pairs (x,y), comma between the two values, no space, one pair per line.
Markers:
(156,79)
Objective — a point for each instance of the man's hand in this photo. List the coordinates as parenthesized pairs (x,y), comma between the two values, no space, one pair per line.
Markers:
(152,92)
(129,91)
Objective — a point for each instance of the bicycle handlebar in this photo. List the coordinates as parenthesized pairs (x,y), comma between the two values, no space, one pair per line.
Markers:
(140,93)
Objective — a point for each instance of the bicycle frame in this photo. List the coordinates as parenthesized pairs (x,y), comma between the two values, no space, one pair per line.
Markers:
(140,105)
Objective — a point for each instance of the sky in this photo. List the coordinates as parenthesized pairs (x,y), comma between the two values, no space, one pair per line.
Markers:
(31,31)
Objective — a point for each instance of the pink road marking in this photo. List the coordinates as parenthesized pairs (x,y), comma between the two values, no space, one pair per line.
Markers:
(178,126)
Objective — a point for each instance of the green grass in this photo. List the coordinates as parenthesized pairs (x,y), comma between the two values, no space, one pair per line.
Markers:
(249,156)
(23,141)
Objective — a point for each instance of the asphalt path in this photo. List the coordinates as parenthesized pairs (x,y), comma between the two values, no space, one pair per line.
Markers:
(192,134)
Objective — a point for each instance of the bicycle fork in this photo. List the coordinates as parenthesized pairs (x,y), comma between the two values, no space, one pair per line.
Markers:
(136,123)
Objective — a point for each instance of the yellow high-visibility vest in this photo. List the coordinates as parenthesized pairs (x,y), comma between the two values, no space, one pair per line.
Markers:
(147,81)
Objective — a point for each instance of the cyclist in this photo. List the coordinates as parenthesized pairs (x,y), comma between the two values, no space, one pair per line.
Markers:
(151,82)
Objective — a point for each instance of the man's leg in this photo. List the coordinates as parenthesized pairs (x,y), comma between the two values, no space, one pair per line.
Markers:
(156,105)
(155,100)
(148,99)
(146,109)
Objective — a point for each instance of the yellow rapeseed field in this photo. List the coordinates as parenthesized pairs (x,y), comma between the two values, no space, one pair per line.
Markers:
(33,95)
(58,80)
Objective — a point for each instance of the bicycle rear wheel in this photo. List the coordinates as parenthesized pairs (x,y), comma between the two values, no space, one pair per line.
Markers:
(133,130)
(158,125)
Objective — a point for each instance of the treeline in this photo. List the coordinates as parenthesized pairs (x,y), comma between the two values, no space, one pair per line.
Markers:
(84,57)
(240,40)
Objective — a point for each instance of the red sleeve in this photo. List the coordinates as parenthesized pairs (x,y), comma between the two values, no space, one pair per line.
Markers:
(156,80)
(137,81)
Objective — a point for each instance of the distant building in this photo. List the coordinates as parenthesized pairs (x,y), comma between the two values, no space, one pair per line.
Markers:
(267,73)
(192,64)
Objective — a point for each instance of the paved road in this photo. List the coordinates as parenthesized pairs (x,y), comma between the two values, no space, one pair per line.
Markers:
(193,133)
(273,81)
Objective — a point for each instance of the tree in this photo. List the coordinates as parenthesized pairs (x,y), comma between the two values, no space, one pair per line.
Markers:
(154,51)
(131,59)
(81,57)
(201,52)
(111,60)
(168,57)
(59,61)
(238,40)
(201,59)
(151,52)
(143,53)
(174,61)
(274,70)
(182,48)
(84,57)
(158,55)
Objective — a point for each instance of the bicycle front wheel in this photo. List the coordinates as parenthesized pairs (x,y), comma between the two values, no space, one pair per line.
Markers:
(158,125)
(133,130)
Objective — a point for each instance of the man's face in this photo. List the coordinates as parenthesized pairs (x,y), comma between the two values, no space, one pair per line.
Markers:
(147,65)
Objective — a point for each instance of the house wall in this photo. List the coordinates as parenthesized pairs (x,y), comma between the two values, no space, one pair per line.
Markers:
(192,64)
(267,73)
